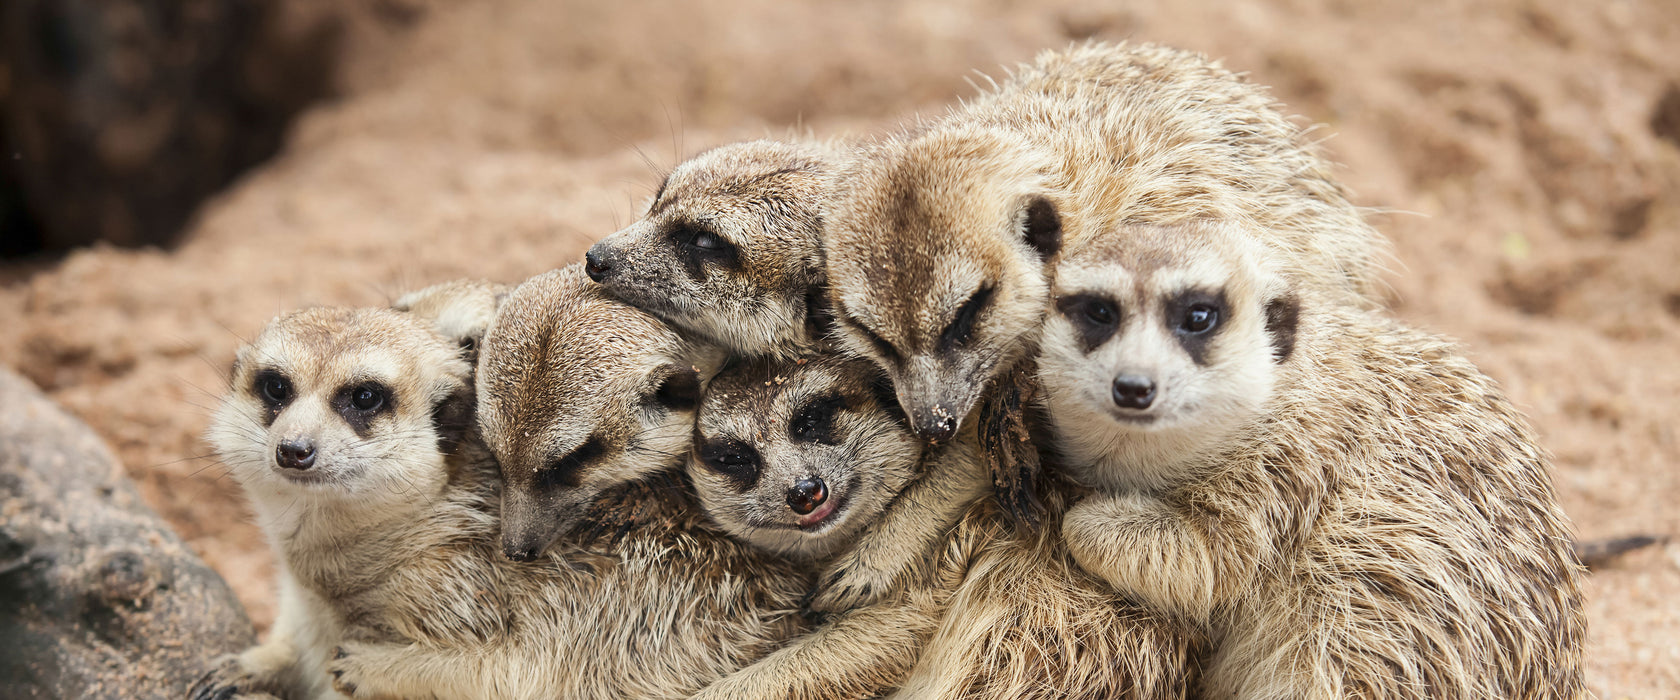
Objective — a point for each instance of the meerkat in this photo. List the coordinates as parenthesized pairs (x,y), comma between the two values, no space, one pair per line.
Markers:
(351,432)
(1349,505)
(937,242)
(729,250)
(803,458)
(580,392)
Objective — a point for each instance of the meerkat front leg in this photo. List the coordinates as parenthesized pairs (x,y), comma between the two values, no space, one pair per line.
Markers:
(907,534)
(1163,554)
(367,670)
(862,653)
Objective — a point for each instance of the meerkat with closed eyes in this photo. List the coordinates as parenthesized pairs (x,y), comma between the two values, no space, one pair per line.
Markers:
(804,457)
(1349,506)
(729,250)
(937,239)
(351,430)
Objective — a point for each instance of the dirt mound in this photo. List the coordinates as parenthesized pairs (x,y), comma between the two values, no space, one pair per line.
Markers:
(1525,156)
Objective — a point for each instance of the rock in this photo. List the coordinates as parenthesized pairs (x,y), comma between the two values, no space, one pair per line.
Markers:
(118,117)
(98,598)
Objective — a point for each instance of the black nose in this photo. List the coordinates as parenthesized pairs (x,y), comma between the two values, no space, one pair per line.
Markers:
(597,262)
(295,454)
(936,426)
(520,554)
(1133,391)
(806,495)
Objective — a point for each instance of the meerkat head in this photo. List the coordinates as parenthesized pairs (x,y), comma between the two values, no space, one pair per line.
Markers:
(580,393)
(936,249)
(1164,340)
(798,458)
(355,406)
(730,248)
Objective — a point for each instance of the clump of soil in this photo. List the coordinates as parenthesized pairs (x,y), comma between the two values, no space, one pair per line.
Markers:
(1522,156)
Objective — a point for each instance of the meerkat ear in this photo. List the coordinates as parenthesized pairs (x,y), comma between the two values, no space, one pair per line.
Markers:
(453,418)
(1041,226)
(680,390)
(1282,316)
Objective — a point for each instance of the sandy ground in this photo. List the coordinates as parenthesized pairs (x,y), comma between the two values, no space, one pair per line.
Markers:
(1521,156)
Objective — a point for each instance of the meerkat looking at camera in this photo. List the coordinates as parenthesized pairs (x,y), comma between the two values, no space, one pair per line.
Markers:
(1349,506)
(937,239)
(730,248)
(814,459)
(352,433)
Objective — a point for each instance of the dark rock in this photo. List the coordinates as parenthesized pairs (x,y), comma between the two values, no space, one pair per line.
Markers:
(98,598)
(121,116)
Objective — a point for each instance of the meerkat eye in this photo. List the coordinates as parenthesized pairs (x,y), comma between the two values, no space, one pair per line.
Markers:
(367,397)
(735,460)
(962,326)
(274,387)
(1095,318)
(815,422)
(566,470)
(1199,318)
(886,349)
(706,240)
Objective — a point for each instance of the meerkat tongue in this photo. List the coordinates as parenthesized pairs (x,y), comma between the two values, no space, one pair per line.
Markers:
(821,512)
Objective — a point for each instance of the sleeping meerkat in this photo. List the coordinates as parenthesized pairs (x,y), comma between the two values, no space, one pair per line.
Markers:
(730,248)
(351,431)
(1349,505)
(804,458)
(937,239)
(579,393)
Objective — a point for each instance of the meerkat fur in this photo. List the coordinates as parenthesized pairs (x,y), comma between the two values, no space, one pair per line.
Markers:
(1024,622)
(1348,505)
(730,250)
(393,582)
(938,238)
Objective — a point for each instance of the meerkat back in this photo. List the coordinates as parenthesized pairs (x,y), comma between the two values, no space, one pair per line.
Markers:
(1349,506)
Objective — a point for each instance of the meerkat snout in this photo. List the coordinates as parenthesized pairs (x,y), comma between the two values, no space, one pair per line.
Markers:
(807,495)
(1134,391)
(599,261)
(296,453)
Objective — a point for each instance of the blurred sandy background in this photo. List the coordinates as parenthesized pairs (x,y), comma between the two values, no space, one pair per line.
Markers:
(1523,156)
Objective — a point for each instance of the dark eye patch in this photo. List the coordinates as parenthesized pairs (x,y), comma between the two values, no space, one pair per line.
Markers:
(814,422)
(567,470)
(886,349)
(1195,317)
(735,460)
(962,325)
(699,245)
(359,404)
(274,390)
(1095,317)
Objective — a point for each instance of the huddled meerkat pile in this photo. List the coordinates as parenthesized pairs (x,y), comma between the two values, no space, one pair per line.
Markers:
(748,447)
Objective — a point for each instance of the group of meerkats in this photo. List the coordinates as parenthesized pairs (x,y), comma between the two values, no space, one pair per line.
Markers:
(1080,390)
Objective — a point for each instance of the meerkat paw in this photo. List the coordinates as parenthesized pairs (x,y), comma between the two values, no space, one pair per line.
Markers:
(1142,549)
(358,672)
(228,679)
